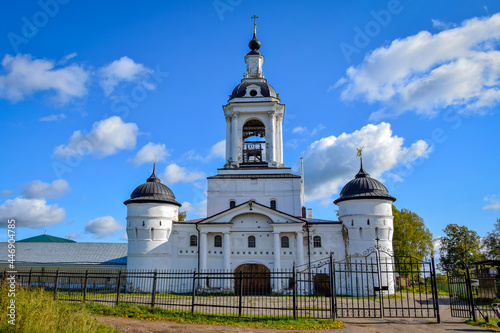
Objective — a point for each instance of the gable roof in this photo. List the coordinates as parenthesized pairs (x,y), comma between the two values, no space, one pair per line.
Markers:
(45,239)
(67,253)
(242,209)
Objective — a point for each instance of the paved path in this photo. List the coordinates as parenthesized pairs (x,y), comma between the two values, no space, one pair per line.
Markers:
(382,325)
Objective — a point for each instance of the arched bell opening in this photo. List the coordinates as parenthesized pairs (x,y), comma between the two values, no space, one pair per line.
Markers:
(254,142)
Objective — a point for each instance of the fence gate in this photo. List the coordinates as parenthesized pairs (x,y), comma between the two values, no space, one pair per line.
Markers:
(368,286)
(460,297)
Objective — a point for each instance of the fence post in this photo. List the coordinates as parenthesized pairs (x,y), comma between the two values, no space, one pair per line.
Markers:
(194,292)
(240,302)
(294,299)
(332,288)
(436,295)
(85,285)
(29,279)
(469,292)
(153,295)
(118,287)
(55,284)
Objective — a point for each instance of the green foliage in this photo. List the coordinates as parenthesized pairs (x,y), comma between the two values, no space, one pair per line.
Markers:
(143,312)
(36,311)
(491,243)
(411,236)
(181,216)
(459,247)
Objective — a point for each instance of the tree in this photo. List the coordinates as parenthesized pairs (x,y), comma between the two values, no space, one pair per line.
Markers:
(181,216)
(459,247)
(411,236)
(491,243)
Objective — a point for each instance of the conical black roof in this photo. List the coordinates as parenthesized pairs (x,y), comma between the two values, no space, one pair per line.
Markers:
(152,191)
(364,187)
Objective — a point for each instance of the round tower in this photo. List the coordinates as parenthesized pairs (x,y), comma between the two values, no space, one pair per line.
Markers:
(150,212)
(365,209)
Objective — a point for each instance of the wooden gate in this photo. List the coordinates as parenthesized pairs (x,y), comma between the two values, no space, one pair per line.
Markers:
(252,279)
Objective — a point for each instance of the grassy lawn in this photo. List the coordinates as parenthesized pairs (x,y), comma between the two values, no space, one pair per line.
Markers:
(36,311)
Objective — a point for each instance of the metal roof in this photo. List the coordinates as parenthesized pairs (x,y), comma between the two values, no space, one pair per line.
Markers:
(45,239)
(67,253)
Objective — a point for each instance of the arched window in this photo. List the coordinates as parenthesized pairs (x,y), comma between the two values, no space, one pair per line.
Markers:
(368,222)
(285,242)
(218,241)
(251,241)
(193,240)
(273,204)
(232,203)
(317,241)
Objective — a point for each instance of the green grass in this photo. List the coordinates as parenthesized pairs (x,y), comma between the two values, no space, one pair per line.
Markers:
(482,323)
(36,311)
(147,313)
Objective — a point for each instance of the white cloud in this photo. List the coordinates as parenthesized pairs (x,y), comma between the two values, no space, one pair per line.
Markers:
(330,162)
(124,236)
(73,235)
(30,213)
(5,193)
(53,117)
(299,130)
(105,138)
(103,226)
(25,76)
(217,150)
(427,72)
(494,202)
(195,211)
(174,174)
(123,70)
(40,190)
(441,25)
(147,154)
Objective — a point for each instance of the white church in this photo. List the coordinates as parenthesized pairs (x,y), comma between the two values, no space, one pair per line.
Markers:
(256,219)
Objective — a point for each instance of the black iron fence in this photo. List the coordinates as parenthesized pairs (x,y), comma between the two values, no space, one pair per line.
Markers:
(473,292)
(360,287)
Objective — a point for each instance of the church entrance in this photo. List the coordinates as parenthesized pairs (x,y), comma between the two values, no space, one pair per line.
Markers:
(252,279)
(321,284)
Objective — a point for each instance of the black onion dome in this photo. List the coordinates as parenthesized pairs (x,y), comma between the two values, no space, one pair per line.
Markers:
(364,187)
(152,191)
(265,89)
(254,44)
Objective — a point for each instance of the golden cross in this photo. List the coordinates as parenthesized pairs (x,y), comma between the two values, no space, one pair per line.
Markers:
(254,17)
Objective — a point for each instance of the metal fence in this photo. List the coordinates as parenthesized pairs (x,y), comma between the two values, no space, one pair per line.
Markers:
(472,293)
(363,287)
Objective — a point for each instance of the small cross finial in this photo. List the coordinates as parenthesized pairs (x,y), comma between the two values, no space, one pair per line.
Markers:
(155,158)
(359,153)
(254,17)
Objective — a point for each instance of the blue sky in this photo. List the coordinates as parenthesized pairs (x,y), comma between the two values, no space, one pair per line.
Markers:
(90,91)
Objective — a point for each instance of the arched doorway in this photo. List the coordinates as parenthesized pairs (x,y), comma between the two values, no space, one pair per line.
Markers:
(252,279)
(321,284)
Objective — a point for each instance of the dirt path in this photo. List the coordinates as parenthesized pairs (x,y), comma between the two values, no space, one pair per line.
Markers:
(352,325)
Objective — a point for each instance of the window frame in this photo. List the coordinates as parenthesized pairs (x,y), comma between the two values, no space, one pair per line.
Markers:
(251,241)
(285,242)
(217,241)
(193,240)
(317,241)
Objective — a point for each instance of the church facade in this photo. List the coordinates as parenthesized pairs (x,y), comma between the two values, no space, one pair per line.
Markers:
(255,208)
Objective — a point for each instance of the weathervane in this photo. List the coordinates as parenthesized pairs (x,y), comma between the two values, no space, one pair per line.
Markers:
(254,17)
(360,149)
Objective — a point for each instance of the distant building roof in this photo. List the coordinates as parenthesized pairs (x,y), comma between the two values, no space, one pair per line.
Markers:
(67,253)
(45,239)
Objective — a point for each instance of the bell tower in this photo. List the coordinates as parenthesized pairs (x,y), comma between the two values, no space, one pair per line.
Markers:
(254,168)
(254,117)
